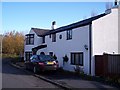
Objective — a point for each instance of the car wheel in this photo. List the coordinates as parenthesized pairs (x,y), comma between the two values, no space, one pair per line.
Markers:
(35,69)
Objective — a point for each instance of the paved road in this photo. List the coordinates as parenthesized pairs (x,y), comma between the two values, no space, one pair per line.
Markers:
(75,81)
(16,78)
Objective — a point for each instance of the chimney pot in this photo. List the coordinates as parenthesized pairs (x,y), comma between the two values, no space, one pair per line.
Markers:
(116,2)
(53,25)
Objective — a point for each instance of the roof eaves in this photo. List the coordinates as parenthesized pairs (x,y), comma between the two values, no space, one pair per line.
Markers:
(28,34)
(40,32)
(75,25)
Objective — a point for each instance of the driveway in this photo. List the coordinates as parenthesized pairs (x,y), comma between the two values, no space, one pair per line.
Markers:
(72,80)
(16,78)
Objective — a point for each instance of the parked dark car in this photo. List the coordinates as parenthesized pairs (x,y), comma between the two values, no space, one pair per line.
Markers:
(39,63)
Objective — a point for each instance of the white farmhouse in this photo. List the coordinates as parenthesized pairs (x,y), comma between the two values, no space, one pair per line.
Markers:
(80,41)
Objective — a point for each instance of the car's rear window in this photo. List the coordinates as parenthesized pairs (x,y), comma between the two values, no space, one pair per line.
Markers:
(46,58)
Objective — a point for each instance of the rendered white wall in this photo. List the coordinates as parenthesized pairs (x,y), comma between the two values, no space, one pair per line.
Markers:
(105,35)
(80,37)
(37,41)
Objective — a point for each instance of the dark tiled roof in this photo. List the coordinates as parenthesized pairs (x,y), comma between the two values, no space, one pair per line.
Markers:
(40,32)
(43,32)
(75,25)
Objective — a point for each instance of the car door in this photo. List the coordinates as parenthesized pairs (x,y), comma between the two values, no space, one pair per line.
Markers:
(31,63)
(34,61)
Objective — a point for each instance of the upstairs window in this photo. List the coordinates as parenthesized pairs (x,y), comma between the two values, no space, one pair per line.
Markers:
(43,39)
(69,34)
(50,36)
(77,58)
(30,39)
(54,37)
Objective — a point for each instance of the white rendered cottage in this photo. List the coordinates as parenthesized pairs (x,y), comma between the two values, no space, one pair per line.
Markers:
(80,41)
(33,39)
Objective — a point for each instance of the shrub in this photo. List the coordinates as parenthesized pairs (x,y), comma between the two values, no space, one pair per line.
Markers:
(65,58)
(55,57)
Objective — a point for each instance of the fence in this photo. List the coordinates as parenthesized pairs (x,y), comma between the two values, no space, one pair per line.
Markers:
(107,65)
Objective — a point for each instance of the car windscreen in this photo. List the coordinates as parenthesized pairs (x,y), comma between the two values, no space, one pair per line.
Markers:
(46,58)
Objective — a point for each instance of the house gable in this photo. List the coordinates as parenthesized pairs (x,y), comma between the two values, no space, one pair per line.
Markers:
(40,32)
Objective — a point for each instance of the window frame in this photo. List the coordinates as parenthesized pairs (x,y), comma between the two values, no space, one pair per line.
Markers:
(80,61)
(69,34)
(30,39)
(54,37)
(60,36)
(50,36)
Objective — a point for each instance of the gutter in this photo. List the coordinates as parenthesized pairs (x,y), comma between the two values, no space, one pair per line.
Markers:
(90,47)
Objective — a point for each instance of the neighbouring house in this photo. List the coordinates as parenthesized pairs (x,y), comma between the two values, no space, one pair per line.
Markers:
(79,41)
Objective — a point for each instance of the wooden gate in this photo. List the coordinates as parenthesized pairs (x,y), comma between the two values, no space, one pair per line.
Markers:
(107,65)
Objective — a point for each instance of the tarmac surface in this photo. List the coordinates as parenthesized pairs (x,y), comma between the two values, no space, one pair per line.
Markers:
(57,79)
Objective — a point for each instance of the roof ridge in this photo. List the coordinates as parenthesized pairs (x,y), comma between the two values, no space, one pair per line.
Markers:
(76,24)
(39,28)
(40,32)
